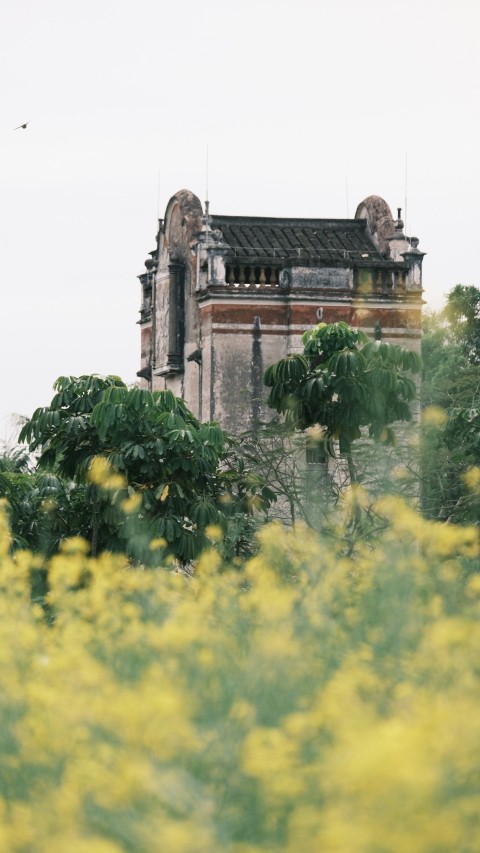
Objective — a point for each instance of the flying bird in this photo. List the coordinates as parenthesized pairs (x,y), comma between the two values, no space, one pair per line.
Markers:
(22,126)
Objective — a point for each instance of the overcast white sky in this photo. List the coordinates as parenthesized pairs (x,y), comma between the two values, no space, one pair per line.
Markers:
(294,99)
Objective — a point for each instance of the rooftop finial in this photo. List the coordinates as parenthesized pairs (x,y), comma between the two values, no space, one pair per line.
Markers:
(399,222)
(206,221)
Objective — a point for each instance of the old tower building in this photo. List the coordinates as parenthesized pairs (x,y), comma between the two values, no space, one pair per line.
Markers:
(225,296)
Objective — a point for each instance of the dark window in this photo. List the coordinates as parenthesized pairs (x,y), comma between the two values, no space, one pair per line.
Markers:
(316,455)
(176,318)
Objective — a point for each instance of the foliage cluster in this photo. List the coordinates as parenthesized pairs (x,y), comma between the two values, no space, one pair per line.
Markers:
(343,386)
(168,476)
(450,394)
(312,703)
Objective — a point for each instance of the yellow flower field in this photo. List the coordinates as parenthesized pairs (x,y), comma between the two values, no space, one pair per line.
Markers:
(308,703)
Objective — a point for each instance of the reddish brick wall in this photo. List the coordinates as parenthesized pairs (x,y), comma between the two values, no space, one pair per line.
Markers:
(306,316)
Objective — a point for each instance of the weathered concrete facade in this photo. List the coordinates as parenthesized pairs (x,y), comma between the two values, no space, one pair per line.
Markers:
(225,296)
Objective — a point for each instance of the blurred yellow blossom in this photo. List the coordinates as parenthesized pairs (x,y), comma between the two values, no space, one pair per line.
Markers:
(101,473)
(131,504)
(214,532)
(307,701)
(315,433)
(472,478)
(74,545)
(434,416)
(157,544)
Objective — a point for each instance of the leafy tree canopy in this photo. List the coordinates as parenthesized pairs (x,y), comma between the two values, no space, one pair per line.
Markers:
(343,382)
(462,313)
(450,394)
(172,477)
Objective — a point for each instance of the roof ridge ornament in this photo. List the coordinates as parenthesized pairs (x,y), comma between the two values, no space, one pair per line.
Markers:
(399,223)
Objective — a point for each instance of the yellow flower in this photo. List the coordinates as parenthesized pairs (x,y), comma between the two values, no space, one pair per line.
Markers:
(315,433)
(101,473)
(99,470)
(434,416)
(208,563)
(310,702)
(5,534)
(271,756)
(74,545)
(158,544)
(131,504)
(214,532)
(472,478)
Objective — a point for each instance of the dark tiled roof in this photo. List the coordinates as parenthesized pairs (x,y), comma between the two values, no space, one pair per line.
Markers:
(320,239)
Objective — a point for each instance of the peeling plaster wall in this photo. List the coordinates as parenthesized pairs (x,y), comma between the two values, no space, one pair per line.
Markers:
(237,362)
(146,345)
(321,279)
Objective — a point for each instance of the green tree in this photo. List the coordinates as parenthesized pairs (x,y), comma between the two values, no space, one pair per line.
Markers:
(462,313)
(14,460)
(44,509)
(343,382)
(31,497)
(173,476)
(451,402)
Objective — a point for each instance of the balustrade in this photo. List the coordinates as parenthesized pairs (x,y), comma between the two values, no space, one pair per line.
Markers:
(243,275)
(384,282)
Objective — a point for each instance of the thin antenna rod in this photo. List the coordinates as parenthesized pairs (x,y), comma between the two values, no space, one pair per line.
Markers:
(206,177)
(406,190)
(346,196)
(207,204)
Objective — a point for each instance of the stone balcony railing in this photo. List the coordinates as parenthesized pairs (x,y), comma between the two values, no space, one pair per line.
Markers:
(385,282)
(241,275)
(366,281)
